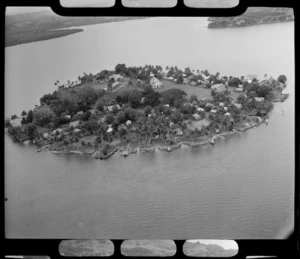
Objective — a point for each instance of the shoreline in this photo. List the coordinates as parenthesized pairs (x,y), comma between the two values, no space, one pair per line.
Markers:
(247,25)
(96,154)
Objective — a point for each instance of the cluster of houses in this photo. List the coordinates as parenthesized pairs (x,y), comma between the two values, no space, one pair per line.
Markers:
(190,80)
(213,109)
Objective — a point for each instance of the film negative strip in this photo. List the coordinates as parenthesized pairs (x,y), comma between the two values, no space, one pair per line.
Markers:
(98,95)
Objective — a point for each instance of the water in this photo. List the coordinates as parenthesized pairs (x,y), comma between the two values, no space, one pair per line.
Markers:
(243,187)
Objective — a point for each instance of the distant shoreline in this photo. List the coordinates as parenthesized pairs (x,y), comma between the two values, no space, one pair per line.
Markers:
(247,25)
(16,33)
(253,16)
(42,36)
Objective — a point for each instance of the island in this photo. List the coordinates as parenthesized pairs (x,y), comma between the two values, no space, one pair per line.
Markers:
(145,109)
(253,16)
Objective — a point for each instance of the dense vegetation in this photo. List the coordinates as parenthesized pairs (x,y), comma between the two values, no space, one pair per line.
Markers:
(135,110)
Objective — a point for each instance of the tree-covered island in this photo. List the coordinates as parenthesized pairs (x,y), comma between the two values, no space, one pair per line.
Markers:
(135,109)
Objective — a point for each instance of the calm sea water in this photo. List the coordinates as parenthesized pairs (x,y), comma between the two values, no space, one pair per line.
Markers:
(243,187)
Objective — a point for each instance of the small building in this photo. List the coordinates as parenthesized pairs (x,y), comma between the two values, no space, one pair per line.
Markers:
(167,105)
(184,75)
(76,131)
(200,109)
(186,81)
(56,131)
(237,105)
(155,134)
(209,105)
(193,83)
(74,123)
(80,112)
(271,80)
(110,108)
(264,82)
(225,108)
(218,87)
(240,86)
(155,83)
(171,124)
(196,117)
(213,111)
(45,135)
(238,90)
(284,91)
(128,123)
(92,111)
(109,130)
(259,99)
(221,104)
(171,78)
(178,132)
(68,117)
(227,114)
(204,76)
(16,122)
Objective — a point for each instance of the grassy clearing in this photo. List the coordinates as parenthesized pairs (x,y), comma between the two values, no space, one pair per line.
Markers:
(190,90)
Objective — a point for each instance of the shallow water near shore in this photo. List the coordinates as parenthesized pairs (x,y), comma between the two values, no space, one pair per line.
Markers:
(242,187)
